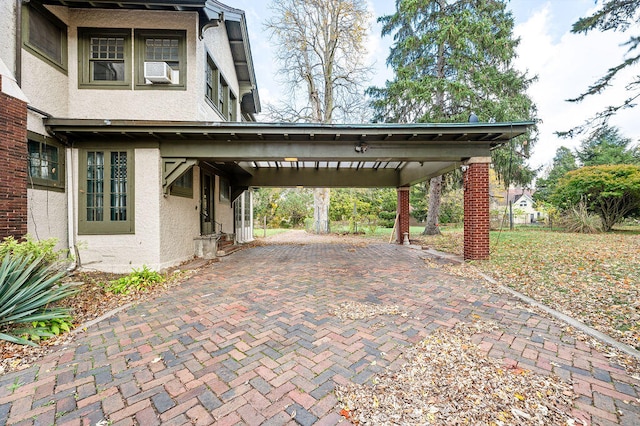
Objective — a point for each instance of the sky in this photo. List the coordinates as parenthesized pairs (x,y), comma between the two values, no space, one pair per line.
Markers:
(565,65)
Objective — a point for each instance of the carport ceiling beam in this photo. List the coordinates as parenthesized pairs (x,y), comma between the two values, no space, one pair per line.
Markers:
(317,151)
(309,177)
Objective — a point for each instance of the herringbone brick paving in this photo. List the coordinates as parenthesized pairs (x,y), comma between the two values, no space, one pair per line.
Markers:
(252,340)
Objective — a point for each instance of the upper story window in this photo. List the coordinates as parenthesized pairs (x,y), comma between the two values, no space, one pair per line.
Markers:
(104,58)
(218,93)
(46,162)
(161,59)
(45,35)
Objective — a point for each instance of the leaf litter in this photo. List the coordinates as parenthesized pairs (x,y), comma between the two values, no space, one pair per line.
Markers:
(356,310)
(446,380)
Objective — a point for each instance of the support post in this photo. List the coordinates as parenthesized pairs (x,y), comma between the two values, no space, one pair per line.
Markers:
(476,208)
(403,214)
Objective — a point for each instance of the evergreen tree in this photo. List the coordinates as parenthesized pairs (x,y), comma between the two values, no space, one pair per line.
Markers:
(605,145)
(452,58)
(614,15)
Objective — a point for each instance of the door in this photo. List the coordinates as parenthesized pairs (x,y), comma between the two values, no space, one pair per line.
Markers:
(207,187)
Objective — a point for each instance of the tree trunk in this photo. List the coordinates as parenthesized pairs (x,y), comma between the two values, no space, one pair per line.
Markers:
(321,198)
(435,194)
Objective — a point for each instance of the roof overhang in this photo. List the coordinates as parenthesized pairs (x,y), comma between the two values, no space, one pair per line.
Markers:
(313,155)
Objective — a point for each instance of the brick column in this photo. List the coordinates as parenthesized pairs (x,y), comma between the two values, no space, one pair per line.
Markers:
(403,213)
(476,209)
(13,163)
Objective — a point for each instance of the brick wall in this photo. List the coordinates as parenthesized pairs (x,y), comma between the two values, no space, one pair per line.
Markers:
(13,166)
(403,213)
(476,211)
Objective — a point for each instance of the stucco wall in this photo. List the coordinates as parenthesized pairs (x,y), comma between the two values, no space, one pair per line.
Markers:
(179,225)
(8,39)
(133,104)
(47,215)
(223,210)
(120,253)
(45,86)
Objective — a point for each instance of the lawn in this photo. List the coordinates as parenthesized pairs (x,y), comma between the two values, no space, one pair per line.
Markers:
(592,277)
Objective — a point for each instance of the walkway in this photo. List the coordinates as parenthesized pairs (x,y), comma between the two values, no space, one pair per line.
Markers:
(252,340)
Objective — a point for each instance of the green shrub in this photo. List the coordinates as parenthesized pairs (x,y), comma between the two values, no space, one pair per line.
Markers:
(28,287)
(138,280)
(35,248)
(579,219)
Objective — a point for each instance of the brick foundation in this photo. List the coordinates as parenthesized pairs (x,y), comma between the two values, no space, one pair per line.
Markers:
(13,166)
(476,209)
(403,213)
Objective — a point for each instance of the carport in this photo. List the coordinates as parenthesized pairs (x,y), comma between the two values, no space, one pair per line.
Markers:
(323,155)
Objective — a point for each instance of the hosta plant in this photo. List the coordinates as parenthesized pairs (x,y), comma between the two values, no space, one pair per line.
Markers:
(42,330)
(138,280)
(28,288)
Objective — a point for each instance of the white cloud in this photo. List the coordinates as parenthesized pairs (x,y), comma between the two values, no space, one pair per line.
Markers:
(566,66)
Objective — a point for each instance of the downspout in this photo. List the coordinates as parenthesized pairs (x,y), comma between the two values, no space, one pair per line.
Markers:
(71,217)
(18,59)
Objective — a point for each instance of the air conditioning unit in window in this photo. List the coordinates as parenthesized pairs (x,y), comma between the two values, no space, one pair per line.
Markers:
(157,72)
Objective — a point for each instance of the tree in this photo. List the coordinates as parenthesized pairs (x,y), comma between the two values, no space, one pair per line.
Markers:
(610,191)
(614,15)
(452,58)
(605,145)
(563,162)
(321,47)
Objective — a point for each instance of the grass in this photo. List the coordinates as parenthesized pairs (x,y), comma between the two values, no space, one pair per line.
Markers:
(260,233)
(592,277)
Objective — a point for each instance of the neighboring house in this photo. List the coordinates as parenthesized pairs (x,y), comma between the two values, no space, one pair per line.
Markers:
(524,210)
(122,204)
(523,206)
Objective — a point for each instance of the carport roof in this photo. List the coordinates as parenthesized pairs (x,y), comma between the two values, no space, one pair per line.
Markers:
(286,154)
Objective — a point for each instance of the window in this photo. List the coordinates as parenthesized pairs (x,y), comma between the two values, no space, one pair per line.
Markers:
(183,186)
(218,93)
(211,91)
(231,113)
(45,35)
(161,46)
(104,58)
(223,95)
(225,190)
(106,192)
(46,161)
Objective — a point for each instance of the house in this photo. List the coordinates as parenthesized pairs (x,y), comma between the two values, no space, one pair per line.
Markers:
(128,133)
(524,209)
(117,202)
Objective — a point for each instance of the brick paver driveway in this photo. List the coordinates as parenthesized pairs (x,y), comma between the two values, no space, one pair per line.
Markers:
(252,340)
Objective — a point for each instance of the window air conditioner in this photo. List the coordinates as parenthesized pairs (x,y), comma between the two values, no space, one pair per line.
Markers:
(157,72)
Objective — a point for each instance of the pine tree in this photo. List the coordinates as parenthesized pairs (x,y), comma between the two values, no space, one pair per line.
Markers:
(614,15)
(452,58)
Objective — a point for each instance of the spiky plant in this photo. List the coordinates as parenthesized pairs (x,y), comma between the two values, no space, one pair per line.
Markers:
(28,287)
